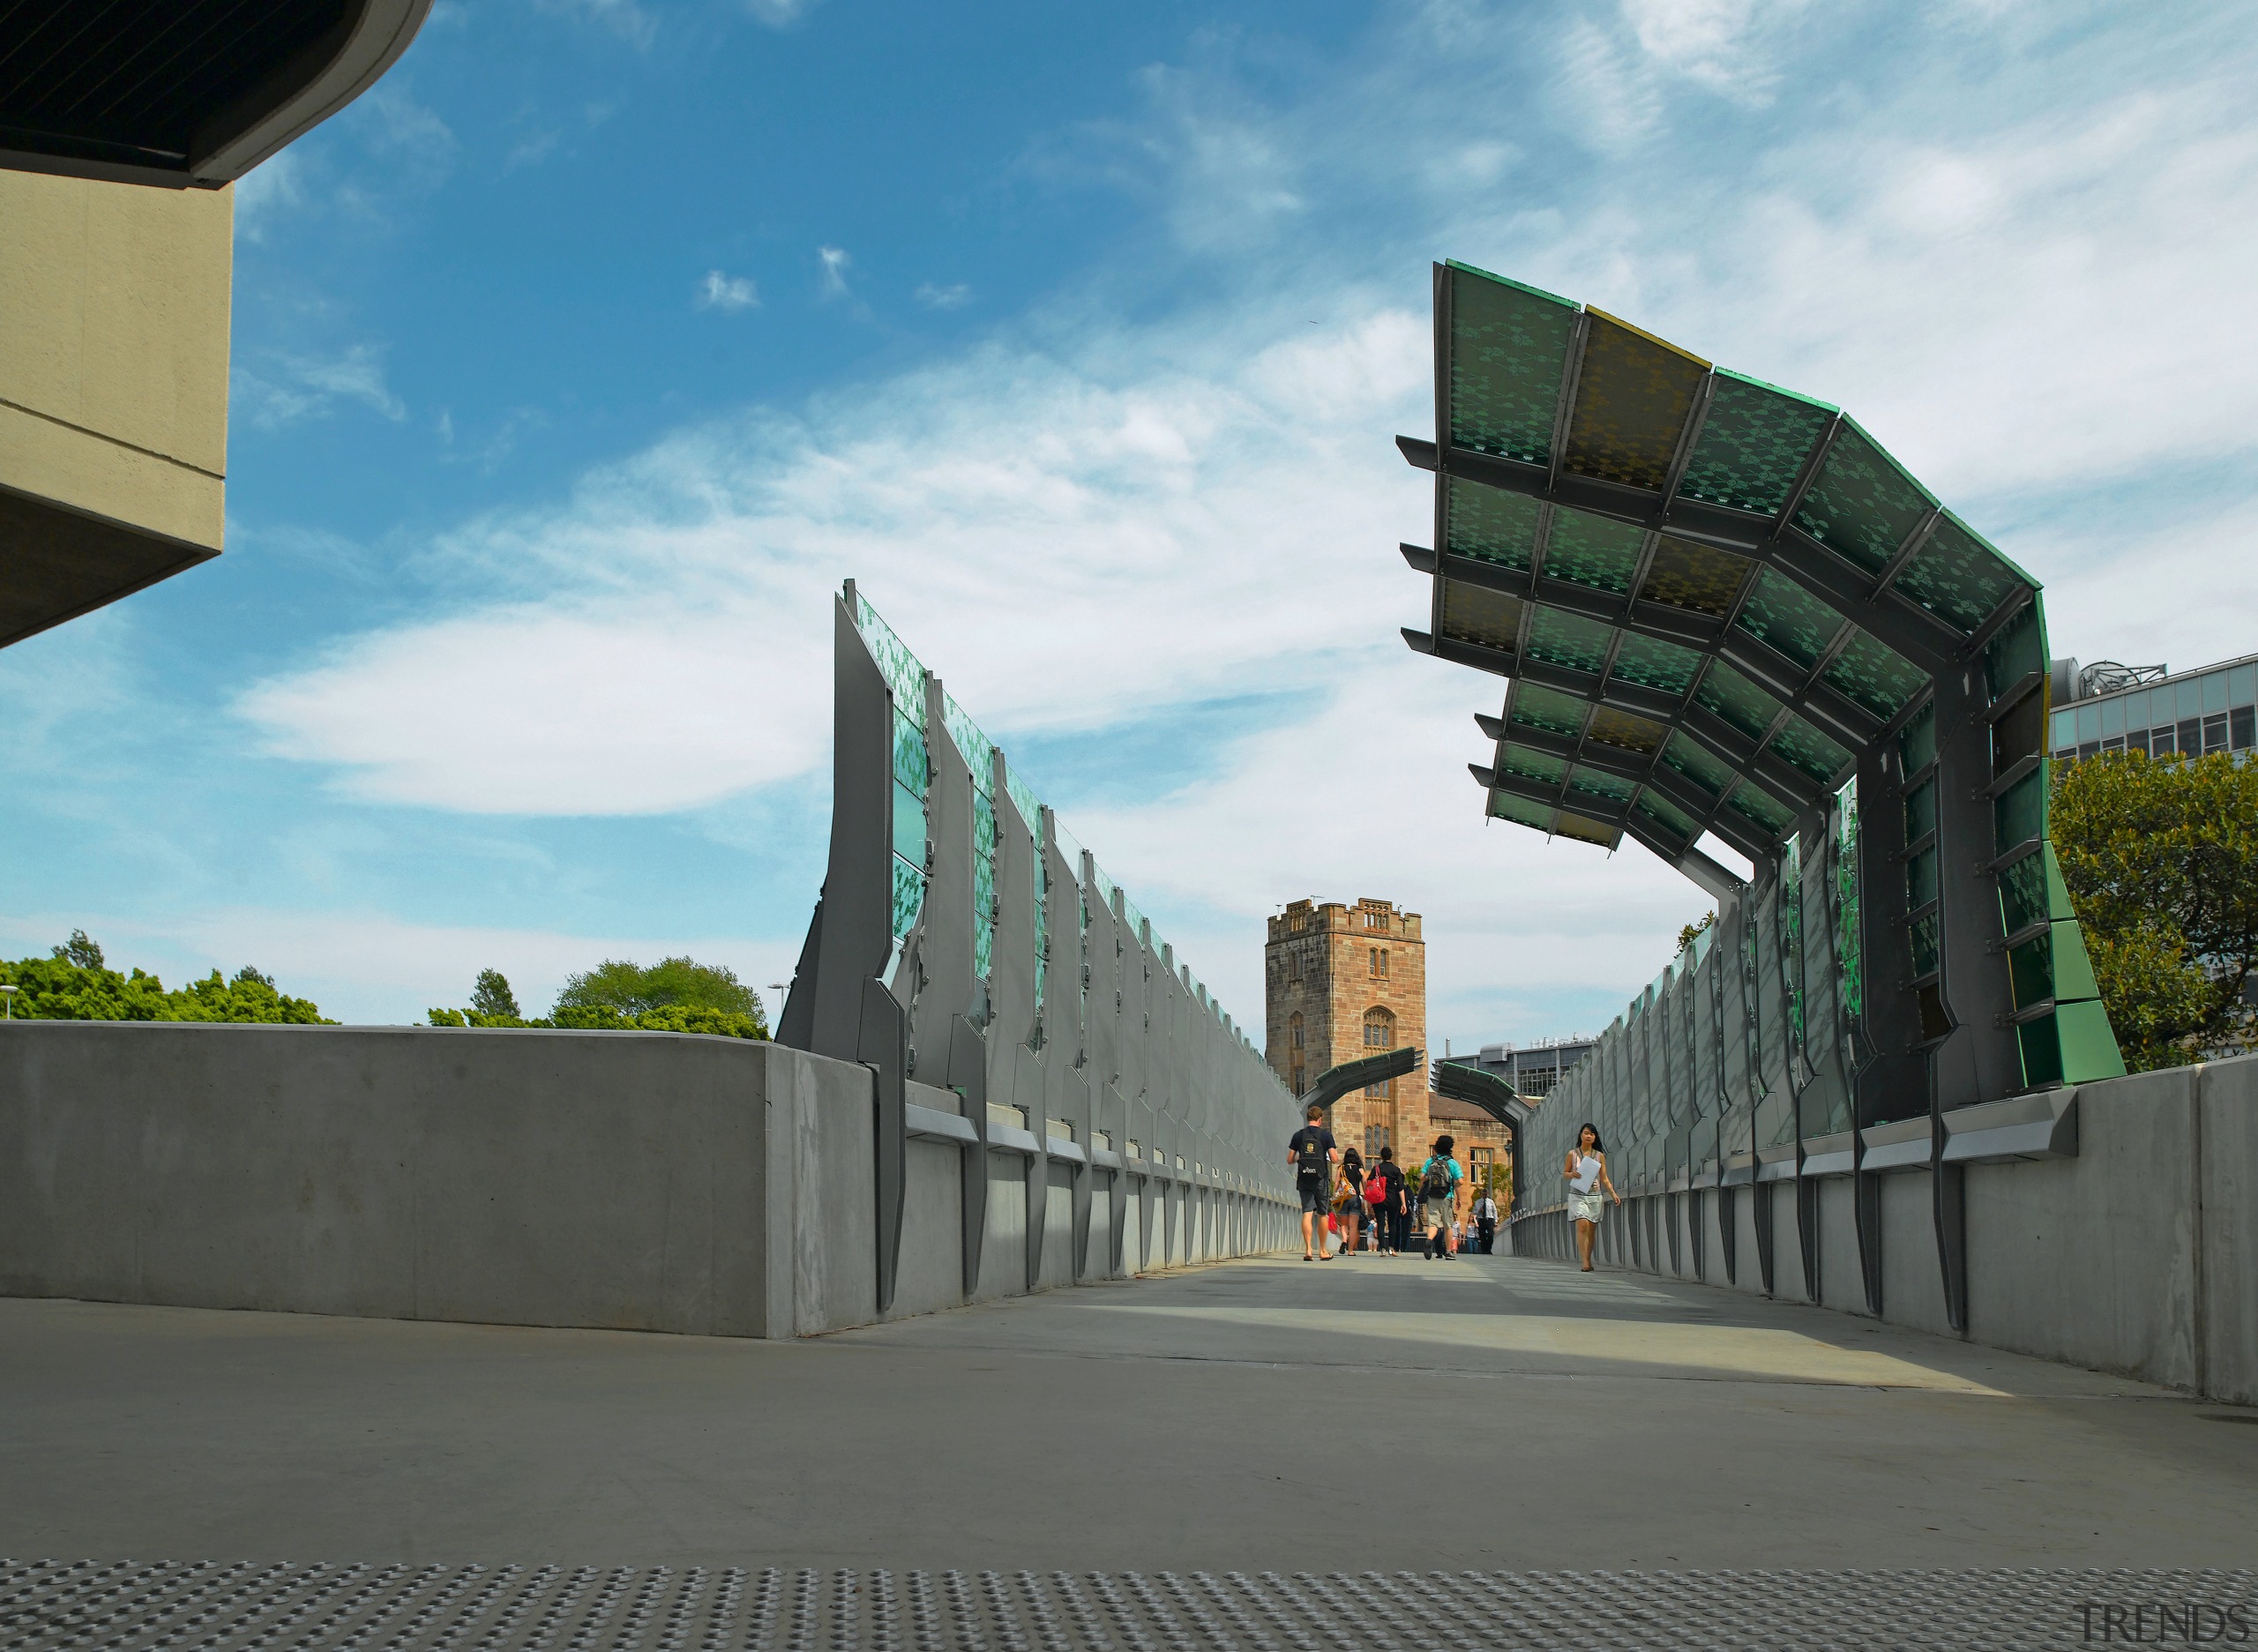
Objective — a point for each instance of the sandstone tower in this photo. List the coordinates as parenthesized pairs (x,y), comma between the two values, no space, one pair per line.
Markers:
(1343,981)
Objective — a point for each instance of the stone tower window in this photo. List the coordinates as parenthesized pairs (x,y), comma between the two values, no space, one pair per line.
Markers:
(1295,1024)
(1378,965)
(1379,1034)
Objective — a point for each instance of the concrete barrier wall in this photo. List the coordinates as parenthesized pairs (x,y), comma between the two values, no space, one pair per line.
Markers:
(2138,1254)
(633,1181)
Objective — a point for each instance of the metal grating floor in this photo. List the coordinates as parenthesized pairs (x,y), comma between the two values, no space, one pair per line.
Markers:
(204,1606)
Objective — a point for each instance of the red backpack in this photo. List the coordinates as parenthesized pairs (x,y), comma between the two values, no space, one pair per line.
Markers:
(1375,1189)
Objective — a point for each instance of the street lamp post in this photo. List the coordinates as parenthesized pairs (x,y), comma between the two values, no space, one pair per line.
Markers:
(7,1004)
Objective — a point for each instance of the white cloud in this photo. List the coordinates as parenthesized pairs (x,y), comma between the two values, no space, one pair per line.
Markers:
(728,293)
(285,388)
(779,14)
(275,186)
(836,262)
(954,296)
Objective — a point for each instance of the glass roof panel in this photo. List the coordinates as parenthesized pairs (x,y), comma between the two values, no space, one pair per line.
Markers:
(1795,623)
(1862,507)
(1489,524)
(1665,816)
(1538,768)
(1592,550)
(1506,806)
(1593,783)
(1653,663)
(1758,806)
(1622,730)
(1559,637)
(1696,763)
(1537,706)
(1753,442)
(1508,344)
(1957,576)
(1874,674)
(900,667)
(1693,577)
(1474,613)
(1809,751)
(1632,394)
(1737,700)
(1583,830)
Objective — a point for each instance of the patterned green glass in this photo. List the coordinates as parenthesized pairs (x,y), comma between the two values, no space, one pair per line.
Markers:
(1027,803)
(1808,751)
(1592,551)
(900,667)
(1476,613)
(1569,640)
(1920,879)
(1957,577)
(976,748)
(1593,783)
(1539,768)
(2030,970)
(1505,806)
(1916,742)
(2022,893)
(1626,730)
(1585,830)
(1921,945)
(913,765)
(1537,706)
(985,835)
(1758,807)
(1874,675)
(1795,624)
(1736,699)
(1652,663)
(909,826)
(2019,814)
(2018,650)
(1849,934)
(1508,346)
(1693,761)
(1489,524)
(1921,811)
(1632,394)
(1658,811)
(908,896)
(1753,445)
(1862,507)
(1685,575)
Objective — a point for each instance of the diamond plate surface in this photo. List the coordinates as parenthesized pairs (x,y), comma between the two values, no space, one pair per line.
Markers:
(207,1606)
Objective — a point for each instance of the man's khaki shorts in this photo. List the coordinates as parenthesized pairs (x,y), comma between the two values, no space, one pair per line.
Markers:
(1434,1213)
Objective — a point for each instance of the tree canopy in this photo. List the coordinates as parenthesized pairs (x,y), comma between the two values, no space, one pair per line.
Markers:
(2160,859)
(74,984)
(674,995)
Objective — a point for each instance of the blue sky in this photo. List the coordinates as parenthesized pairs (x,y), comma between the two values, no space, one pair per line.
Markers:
(575,365)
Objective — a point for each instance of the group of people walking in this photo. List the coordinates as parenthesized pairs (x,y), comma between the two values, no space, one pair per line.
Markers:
(1383,1203)
(1380,1206)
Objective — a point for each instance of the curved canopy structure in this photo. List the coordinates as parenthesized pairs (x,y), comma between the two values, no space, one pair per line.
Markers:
(1723,607)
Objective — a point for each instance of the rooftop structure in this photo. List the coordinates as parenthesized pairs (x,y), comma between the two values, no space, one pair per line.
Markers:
(2109,707)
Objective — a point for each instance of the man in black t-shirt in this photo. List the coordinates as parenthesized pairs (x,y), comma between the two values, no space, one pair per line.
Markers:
(1312,1155)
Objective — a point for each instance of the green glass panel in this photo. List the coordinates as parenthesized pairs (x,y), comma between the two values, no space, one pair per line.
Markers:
(1862,507)
(1623,729)
(1503,806)
(2031,971)
(1755,439)
(1508,344)
(984,836)
(2019,814)
(1537,706)
(1539,768)
(1586,831)
(1658,811)
(1920,879)
(1489,524)
(1810,751)
(2022,893)
(1874,675)
(1916,742)
(1473,613)
(908,896)
(1957,576)
(975,747)
(913,766)
(1030,808)
(983,949)
(1593,782)
(2073,969)
(1783,614)
(1569,640)
(908,826)
(2042,1051)
(1633,393)
(2089,1049)
(1693,761)
(1685,575)
(984,889)
(1591,551)
(2015,653)
(1790,915)
(1850,948)
(1652,663)
(900,668)
(1922,934)
(1738,701)
(1921,811)
(1758,806)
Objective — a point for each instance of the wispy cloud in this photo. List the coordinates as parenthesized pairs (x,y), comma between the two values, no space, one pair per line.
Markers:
(285,389)
(267,191)
(835,263)
(779,14)
(727,292)
(623,17)
(954,296)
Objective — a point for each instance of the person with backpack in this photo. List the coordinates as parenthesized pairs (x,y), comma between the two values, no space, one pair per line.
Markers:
(1383,1193)
(1348,1199)
(1312,1155)
(1397,1209)
(1439,1179)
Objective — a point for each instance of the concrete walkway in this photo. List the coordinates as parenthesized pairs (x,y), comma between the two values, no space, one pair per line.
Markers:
(1526,1417)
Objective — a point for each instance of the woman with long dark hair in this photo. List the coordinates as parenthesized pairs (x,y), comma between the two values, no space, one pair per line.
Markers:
(1586,1173)
(1350,1209)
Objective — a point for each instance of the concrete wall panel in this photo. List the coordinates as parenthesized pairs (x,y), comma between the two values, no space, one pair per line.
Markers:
(1912,1279)
(1788,1282)
(2228,1093)
(1841,1284)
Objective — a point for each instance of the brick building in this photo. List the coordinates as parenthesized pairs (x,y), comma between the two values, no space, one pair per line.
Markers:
(1343,982)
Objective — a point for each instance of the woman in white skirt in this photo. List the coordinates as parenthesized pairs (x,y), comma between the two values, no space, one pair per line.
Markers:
(1586,1173)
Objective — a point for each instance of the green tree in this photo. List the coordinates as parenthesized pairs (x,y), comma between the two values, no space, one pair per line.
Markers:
(1686,933)
(631,990)
(2160,860)
(74,984)
(491,996)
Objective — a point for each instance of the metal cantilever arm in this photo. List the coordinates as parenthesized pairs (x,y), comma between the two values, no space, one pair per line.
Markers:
(1336,1082)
